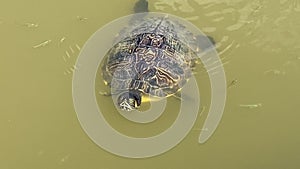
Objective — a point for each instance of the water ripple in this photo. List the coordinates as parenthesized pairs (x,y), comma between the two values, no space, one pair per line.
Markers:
(253,22)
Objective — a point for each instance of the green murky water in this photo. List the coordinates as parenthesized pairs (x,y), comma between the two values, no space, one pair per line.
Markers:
(258,40)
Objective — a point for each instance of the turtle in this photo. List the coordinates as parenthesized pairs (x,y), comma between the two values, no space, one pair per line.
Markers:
(154,59)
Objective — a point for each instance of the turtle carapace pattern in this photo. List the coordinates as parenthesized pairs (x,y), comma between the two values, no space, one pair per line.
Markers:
(153,59)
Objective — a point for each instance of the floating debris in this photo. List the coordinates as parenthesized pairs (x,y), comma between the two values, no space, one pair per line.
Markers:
(75,67)
(251,106)
(64,58)
(62,39)
(31,25)
(232,83)
(67,53)
(72,69)
(80,18)
(67,72)
(65,158)
(257,8)
(275,72)
(105,93)
(71,49)
(78,47)
(227,48)
(47,42)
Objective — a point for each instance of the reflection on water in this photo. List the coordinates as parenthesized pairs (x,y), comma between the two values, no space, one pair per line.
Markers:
(256,40)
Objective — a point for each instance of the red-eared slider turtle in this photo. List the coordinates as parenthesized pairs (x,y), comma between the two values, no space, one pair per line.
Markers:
(153,59)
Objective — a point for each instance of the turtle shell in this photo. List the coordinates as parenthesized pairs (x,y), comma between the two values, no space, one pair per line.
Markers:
(153,58)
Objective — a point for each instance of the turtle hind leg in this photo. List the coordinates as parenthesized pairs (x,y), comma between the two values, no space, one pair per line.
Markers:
(141,6)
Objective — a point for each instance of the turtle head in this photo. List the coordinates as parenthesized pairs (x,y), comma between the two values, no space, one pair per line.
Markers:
(129,100)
